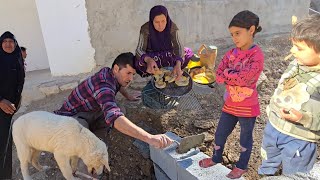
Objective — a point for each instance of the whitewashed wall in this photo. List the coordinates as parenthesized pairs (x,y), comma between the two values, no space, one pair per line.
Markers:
(65,30)
(21,18)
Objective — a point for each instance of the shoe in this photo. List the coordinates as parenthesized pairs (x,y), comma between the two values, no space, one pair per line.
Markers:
(207,162)
(236,173)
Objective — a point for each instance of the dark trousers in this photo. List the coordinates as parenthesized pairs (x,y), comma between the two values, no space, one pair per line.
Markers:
(95,122)
(226,125)
(5,157)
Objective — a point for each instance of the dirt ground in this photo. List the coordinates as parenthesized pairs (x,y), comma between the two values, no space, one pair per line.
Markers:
(125,160)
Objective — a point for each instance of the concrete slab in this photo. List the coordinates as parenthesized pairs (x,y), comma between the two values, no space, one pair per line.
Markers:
(185,166)
(69,86)
(188,169)
(167,158)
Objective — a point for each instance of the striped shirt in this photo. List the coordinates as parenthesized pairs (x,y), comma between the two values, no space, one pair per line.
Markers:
(96,93)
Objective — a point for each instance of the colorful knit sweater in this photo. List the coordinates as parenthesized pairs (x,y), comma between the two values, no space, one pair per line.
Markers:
(298,88)
(240,71)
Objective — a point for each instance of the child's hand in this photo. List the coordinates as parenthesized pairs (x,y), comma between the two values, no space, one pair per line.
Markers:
(290,115)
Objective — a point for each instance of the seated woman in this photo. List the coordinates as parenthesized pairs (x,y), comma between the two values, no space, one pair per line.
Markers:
(159,45)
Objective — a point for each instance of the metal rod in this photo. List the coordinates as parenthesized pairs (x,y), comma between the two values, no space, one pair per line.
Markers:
(7,145)
(85,175)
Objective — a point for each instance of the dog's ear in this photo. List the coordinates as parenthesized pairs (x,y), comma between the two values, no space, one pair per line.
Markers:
(105,162)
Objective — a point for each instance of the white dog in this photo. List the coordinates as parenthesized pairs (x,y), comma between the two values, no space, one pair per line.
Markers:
(63,136)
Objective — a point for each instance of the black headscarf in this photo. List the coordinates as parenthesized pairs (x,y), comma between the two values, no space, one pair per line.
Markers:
(11,71)
(159,41)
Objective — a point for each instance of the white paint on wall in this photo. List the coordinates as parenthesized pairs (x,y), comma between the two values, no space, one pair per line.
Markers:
(65,30)
(21,18)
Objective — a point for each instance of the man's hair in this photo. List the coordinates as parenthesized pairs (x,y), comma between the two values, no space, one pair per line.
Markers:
(307,30)
(23,48)
(124,59)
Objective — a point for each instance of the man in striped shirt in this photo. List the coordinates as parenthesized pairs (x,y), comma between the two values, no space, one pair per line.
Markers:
(93,103)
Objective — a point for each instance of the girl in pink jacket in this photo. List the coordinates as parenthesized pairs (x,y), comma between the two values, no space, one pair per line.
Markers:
(239,70)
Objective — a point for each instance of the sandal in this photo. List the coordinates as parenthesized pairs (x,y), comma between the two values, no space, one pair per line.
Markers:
(236,173)
(207,162)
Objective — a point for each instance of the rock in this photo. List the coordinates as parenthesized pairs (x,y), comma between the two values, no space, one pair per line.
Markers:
(69,86)
(49,90)
(203,148)
(262,79)
(203,124)
(208,137)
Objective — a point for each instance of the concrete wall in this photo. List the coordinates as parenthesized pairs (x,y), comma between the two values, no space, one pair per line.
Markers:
(315,5)
(115,25)
(65,30)
(21,18)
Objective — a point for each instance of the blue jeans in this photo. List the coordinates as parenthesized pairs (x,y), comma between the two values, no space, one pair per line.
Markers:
(226,125)
(294,154)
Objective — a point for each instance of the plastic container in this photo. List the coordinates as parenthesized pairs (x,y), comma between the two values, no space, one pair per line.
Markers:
(208,55)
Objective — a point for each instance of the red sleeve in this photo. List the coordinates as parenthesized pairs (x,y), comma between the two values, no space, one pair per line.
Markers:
(220,78)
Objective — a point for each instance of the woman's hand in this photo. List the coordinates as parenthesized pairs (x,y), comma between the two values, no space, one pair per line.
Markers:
(177,72)
(7,106)
(290,115)
(151,65)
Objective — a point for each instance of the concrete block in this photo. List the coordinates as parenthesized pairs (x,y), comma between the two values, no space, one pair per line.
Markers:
(167,158)
(159,173)
(49,90)
(68,86)
(143,148)
(188,169)
(185,166)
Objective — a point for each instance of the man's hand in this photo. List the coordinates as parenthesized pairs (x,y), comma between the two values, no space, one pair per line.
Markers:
(160,141)
(177,72)
(151,65)
(134,96)
(291,114)
(7,106)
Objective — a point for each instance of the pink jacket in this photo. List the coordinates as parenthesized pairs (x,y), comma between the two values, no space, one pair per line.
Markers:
(240,71)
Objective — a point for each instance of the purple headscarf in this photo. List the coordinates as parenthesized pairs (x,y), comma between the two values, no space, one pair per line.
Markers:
(159,41)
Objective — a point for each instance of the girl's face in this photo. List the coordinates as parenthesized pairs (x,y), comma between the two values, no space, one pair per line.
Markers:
(160,22)
(242,37)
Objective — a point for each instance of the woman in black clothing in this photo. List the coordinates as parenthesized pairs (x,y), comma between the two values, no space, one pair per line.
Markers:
(11,83)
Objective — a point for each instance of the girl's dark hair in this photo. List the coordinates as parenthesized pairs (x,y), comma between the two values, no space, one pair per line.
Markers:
(246,19)
(307,30)
(124,59)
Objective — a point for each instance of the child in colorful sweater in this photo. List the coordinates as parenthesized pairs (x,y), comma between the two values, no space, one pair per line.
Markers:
(293,128)
(239,70)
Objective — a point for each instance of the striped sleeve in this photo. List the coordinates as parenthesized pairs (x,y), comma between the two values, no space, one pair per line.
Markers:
(177,47)
(141,48)
(105,97)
